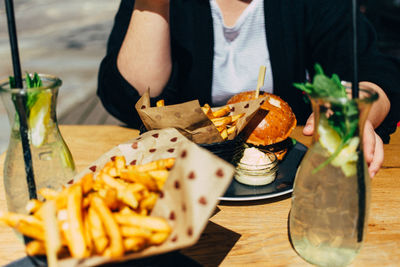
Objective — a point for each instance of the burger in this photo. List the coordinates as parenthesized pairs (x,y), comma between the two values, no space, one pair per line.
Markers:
(273,130)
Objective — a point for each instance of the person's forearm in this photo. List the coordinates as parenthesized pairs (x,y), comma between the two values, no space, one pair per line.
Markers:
(145,56)
(380,108)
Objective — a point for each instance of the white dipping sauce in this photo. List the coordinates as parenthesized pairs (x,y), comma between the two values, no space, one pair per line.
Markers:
(256,168)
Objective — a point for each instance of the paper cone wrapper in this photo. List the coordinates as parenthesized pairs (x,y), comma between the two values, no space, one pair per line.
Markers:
(189,119)
(190,193)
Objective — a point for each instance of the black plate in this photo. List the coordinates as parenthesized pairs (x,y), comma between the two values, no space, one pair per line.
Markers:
(283,183)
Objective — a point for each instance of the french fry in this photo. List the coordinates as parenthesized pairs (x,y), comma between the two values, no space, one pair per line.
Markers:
(112,182)
(205,109)
(111,171)
(109,164)
(208,111)
(64,229)
(128,198)
(48,193)
(110,226)
(87,233)
(13,219)
(134,243)
(142,212)
(149,202)
(35,247)
(107,253)
(98,184)
(132,231)
(97,231)
(160,103)
(77,244)
(221,128)
(62,219)
(62,215)
(133,175)
(224,134)
(158,238)
(119,163)
(237,117)
(231,129)
(30,230)
(222,112)
(126,210)
(33,206)
(60,198)
(111,198)
(51,233)
(223,121)
(160,176)
(137,188)
(86,183)
(86,201)
(160,164)
(123,194)
(152,223)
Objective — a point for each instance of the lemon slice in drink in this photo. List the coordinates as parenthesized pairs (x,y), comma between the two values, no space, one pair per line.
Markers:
(330,140)
(39,117)
(348,157)
(349,168)
(328,137)
(348,153)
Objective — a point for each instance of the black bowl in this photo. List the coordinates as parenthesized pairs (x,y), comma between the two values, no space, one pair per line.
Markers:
(226,149)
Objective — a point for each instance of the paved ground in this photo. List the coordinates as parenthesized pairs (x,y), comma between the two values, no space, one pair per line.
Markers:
(64,38)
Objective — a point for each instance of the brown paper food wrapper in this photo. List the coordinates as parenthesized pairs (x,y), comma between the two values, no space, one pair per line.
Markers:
(190,193)
(189,119)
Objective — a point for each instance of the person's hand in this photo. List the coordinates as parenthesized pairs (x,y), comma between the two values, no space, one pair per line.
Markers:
(373,145)
(373,149)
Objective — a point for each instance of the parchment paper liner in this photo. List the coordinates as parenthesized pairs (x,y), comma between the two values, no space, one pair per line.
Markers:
(189,119)
(190,194)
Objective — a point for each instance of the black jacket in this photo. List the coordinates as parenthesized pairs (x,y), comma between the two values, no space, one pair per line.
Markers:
(299,33)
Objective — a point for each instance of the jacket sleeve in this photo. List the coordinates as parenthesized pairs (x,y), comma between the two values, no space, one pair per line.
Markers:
(330,44)
(116,94)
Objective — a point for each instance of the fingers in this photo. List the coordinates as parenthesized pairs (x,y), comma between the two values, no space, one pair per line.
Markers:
(369,142)
(309,127)
(373,149)
(377,160)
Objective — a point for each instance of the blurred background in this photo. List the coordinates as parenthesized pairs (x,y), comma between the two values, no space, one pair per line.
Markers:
(68,39)
(63,38)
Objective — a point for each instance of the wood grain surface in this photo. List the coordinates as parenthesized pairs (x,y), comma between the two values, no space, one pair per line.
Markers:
(247,233)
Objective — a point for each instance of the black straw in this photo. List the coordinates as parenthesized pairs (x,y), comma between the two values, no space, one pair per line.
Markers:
(20,103)
(355,91)
(12,32)
(20,100)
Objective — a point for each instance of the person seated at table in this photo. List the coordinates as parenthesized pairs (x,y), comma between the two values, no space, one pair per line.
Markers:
(212,49)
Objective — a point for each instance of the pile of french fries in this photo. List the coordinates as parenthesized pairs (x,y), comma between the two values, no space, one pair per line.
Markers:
(225,123)
(105,214)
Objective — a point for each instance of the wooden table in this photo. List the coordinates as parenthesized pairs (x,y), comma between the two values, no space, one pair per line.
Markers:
(244,233)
